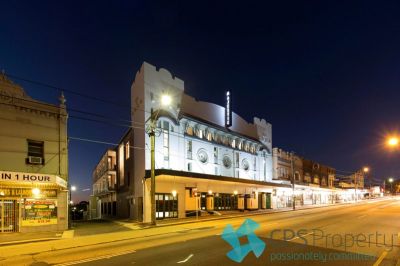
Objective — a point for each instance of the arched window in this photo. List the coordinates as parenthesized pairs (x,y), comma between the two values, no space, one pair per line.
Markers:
(316,179)
(239,144)
(189,130)
(208,135)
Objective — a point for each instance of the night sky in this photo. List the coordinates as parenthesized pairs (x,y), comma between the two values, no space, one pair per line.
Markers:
(326,75)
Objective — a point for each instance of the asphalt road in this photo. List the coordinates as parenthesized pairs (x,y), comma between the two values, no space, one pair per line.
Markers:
(361,234)
(366,234)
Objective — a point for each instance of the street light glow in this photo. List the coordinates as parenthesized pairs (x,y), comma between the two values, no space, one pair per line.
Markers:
(73,188)
(174,193)
(390,180)
(166,100)
(366,169)
(393,141)
(36,191)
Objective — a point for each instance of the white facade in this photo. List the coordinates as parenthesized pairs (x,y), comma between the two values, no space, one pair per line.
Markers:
(192,137)
(183,116)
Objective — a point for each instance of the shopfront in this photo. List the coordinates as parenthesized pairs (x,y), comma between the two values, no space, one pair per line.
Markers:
(30,202)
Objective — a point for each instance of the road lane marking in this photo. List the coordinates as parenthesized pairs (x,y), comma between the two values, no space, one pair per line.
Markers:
(186,260)
(380,259)
(362,216)
(300,236)
(96,258)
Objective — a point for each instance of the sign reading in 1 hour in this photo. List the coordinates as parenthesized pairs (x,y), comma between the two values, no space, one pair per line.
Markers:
(6,176)
(228,110)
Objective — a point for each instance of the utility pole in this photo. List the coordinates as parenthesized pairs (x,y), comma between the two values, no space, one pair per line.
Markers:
(355,186)
(152,135)
(151,131)
(293,195)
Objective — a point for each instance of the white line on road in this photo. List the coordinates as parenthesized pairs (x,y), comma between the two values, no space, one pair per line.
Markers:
(186,260)
(96,258)
(301,236)
(362,216)
(380,259)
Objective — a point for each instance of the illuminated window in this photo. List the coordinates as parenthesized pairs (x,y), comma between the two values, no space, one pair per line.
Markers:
(208,135)
(109,162)
(239,144)
(127,150)
(189,130)
(121,166)
(246,147)
(166,140)
(109,181)
(189,149)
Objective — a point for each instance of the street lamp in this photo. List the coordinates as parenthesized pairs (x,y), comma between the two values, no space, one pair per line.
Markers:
(393,141)
(391,185)
(36,192)
(166,100)
(293,181)
(151,130)
(71,188)
(366,171)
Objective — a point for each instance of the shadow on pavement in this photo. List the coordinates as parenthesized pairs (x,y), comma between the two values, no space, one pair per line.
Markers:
(92,227)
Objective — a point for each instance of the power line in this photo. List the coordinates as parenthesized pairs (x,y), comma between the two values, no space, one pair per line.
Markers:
(39,83)
(96,99)
(103,142)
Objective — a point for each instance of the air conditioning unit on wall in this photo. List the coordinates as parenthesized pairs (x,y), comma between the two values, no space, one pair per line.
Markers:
(35,160)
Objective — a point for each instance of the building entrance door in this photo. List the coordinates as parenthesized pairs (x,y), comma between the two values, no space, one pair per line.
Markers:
(8,215)
(203,201)
(268,201)
(223,201)
(166,206)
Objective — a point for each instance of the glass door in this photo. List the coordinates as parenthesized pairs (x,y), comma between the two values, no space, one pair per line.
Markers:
(8,215)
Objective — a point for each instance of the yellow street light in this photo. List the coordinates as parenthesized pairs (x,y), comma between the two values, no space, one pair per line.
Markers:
(366,169)
(390,180)
(36,191)
(166,100)
(393,141)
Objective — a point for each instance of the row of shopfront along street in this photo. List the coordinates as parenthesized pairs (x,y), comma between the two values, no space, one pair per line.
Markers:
(207,160)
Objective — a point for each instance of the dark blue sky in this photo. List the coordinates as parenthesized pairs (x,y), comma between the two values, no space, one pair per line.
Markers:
(326,75)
